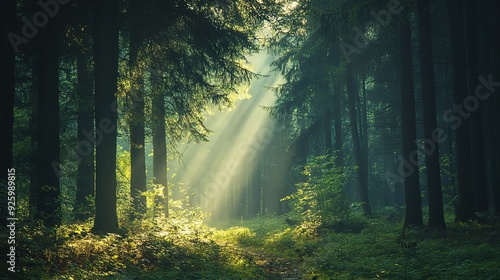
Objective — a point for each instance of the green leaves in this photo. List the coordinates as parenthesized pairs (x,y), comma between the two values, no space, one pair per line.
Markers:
(321,198)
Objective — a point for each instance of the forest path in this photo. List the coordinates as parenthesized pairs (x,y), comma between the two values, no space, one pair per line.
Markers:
(275,267)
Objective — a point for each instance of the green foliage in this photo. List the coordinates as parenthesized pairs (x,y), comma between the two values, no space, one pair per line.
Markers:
(449,180)
(321,199)
(180,248)
(184,248)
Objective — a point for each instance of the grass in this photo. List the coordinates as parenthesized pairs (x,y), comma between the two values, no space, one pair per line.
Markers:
(375,248)
(361,248)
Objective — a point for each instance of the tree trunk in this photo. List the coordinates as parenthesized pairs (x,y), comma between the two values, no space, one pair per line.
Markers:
(7,90)
(137,157)
(413,200)
(495,102)
(337,118)
(435,194)
(48,189)
(136,121)
(476,126)
(362,170)
(33,123)
(327,128)
(327,123)
(106,72)
(364,125)
(465,207)
(85,148)
(159,140)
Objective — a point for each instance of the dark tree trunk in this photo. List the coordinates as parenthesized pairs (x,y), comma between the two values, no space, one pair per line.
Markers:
(136,121)
(485,48)
(255,189)
(48,189)
(33,141)
(159,140)
(327,119)
(413,200)
(106,72)
(7,89)
(495,101)
(137,157)
(362,170)
(364,125)
(435,194)
(476,126)
(465,207)
(327,128)
(85,148)
(337,118)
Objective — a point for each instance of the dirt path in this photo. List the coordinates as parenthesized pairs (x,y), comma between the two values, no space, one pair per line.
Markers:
(276,267)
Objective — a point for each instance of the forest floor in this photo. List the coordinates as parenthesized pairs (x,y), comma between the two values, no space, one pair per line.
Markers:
(265,248)
(278,267)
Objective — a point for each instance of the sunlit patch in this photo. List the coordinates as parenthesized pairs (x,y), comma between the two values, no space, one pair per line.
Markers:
(217,171)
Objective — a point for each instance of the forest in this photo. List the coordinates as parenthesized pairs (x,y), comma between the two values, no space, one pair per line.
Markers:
(250,139)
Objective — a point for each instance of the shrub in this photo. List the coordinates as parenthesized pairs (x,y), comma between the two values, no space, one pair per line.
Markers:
(321,197)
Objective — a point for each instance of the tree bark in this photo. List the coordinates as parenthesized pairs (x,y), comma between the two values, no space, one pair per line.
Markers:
(136,120)
(48,189)
(476,126)
(495,102)
(33,123)
(7,90)
(364,125)
(413,200)
(327,128)
(337,118)
(255,189)
(106,72)
(362,170)
(465,207)
(435,194)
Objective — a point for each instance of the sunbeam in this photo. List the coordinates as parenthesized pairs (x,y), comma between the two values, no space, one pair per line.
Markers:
(216,172)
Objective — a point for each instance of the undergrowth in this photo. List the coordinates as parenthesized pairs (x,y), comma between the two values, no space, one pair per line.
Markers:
(180,248)
(375,247)
(185,248)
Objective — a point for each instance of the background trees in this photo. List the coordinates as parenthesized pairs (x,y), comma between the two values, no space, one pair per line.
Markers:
(368,83)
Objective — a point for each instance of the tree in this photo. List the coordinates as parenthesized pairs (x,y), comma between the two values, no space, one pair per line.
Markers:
(7,90)
(495,100)
(48,207)
(476,126)
(465,207)
(79,39)
(105,73)
(337,118)
(362,168)
(413,215)
(136,115)
(436,212)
